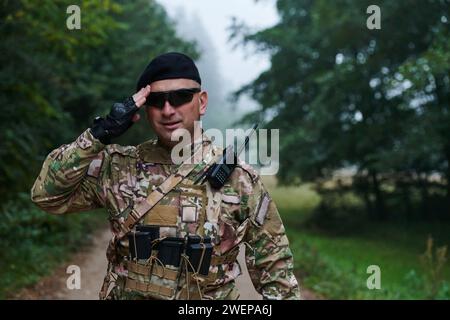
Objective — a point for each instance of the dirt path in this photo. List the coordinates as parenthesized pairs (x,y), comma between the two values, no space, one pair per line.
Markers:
(92,263)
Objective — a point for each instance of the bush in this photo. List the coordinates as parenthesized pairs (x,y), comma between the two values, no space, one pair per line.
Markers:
(433,264)
(320,275)
(338,212)
(34,242)
(328,275)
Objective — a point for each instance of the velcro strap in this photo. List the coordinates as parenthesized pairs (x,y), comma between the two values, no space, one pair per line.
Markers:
(157,270)
(131,284)
(138,268)
(165,273)
(162,215)
(225,259)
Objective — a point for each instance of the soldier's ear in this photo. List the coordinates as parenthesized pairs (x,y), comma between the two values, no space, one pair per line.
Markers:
(202,102)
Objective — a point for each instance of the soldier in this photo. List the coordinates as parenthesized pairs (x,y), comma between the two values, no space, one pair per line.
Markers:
(158,210)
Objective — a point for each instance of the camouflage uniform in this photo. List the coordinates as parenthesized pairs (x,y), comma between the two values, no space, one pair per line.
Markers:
(86,174)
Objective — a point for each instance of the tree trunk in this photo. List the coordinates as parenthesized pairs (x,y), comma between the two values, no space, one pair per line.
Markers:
(405,195)
(368,200)
(361,186)
(443,99)
(368,204)
(381,213)
(425,208)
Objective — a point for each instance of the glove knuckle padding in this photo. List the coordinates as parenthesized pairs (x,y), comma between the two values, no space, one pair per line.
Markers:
(118,110)
(124,111)
(116,122)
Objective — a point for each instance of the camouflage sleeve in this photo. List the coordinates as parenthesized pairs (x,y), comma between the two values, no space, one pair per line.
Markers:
(68,179)
(269,259)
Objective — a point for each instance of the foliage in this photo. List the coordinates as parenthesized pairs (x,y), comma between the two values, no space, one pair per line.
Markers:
(34,242)
(55,80)
(331,257)
(433,265)
(344,96)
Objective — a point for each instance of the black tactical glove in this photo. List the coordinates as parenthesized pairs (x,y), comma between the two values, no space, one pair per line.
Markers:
(116,122)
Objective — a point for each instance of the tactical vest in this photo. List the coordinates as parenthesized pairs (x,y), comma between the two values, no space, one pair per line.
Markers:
(189,212)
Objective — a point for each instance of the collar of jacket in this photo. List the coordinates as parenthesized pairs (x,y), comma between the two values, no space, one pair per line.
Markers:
(153,151)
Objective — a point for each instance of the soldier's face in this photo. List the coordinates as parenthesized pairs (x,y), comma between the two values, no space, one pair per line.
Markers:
(167,119)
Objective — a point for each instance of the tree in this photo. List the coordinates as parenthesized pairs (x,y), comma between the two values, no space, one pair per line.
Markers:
(55,80)
(346,96)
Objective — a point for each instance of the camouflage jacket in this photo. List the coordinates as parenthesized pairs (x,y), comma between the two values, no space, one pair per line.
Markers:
(86,174)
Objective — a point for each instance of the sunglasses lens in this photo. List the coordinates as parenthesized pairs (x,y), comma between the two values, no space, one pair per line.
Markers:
(156,100)
(176,98)
(180,97)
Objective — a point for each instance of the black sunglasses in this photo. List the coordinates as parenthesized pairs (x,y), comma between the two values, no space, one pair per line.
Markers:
(176,98)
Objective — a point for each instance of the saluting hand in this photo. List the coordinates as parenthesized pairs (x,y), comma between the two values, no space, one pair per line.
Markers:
(120,118)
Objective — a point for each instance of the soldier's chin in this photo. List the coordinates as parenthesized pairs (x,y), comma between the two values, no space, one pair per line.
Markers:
(179,135)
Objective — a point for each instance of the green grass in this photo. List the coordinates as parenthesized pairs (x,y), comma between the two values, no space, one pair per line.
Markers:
(34,242)
(353,254)
(334,264)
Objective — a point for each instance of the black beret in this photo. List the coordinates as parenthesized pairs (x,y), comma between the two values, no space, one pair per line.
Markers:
(169,65)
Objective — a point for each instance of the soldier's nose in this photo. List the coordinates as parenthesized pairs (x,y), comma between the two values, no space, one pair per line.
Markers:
(168,109)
